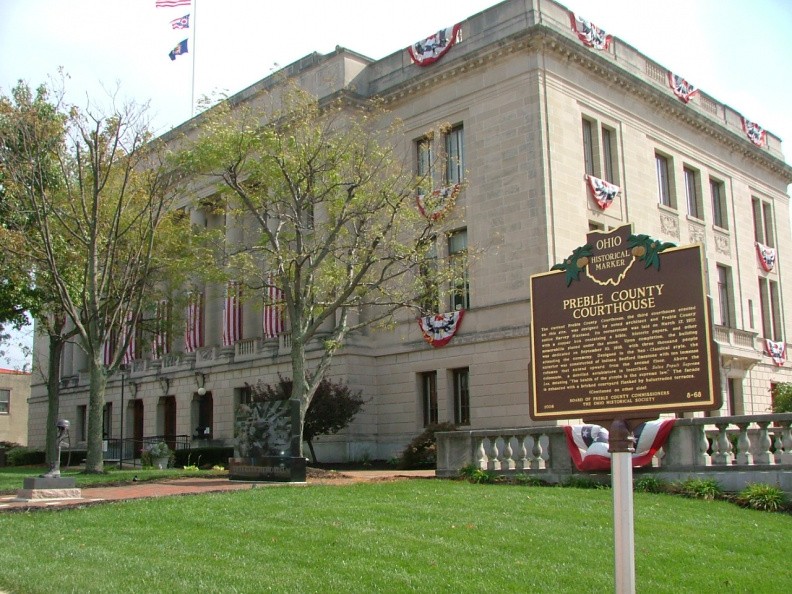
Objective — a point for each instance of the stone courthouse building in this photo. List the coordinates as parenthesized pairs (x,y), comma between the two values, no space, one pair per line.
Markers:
(560,130)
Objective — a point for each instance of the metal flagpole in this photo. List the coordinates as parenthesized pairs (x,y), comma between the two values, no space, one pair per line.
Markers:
(194,28)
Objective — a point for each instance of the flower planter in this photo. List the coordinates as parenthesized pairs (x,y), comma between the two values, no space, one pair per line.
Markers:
(161,463)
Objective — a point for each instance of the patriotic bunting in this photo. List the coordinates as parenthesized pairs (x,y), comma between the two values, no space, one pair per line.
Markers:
(589,33)
(439,329)
(273,321)
(767,256)
(754,132)
(604,192)
(682,88)
(588,444)
(776,351)
(232,314)
(438,203)
(430,50)
(193,334)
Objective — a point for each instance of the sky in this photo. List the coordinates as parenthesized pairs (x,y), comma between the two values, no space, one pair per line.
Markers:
(736,51)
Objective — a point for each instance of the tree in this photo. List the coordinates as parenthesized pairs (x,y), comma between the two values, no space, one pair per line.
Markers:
(332,408)
(99,194)
(337,231)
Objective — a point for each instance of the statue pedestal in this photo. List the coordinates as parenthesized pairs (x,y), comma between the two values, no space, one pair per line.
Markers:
(278,469)
(48,488)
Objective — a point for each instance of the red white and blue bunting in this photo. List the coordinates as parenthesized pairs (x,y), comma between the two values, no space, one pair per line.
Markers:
(439,329)
(767,256)
(776,351)
(754,132)
(588,444)
(430,50)
(438,203)
(603,192)
(589,33)
(682,88)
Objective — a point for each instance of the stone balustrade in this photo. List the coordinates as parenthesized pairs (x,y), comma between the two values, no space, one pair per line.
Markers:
(735,451)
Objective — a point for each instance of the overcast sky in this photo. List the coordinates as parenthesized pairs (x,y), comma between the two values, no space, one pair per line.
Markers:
(739,52)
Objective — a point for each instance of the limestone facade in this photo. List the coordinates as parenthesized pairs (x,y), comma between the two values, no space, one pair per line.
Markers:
(534,108)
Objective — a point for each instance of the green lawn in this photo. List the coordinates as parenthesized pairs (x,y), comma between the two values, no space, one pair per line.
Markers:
(11,478)
(404,536)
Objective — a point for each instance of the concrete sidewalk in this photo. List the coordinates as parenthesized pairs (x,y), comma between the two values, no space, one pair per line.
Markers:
(197,485)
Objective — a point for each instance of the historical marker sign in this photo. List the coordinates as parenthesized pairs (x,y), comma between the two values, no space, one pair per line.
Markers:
(615,334)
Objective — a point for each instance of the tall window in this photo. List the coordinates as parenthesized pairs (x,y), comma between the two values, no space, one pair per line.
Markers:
(663,180)
(425,163)
(82,422)
(719,213)
(430,297)
(599,150)
(5,402)
(725,299)
(461,397)
(107,420)
(454,156)
(770,304)
(763,222)
(608,169)
(588,146)
(429,397)
(457,257)
(691,192)
(451,159)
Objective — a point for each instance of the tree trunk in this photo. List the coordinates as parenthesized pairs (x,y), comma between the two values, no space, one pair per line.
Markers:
(56,344)
(299,394)
(94,461)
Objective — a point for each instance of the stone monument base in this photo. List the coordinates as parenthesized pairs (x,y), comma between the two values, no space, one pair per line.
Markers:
(48,488)
(279,469)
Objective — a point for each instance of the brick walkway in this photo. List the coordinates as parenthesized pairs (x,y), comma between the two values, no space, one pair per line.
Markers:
(191,486)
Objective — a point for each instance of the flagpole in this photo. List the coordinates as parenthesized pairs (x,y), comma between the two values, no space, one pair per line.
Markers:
(192,83)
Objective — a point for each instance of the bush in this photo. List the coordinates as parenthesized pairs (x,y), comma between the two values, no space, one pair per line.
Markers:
(22,456)
(421,452)
(782,398)
(206,457)
(474,474)
(699,488)
(762,496)
(650,484)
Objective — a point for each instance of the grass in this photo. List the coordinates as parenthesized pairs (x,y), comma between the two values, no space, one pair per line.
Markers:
(11,478)
(403,536)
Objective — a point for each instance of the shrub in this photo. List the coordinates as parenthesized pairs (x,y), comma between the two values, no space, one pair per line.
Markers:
(762,496)
(699,488)
(24,457)
(421,452)
(205,457)
(474,474)
(650,484)
(782,398)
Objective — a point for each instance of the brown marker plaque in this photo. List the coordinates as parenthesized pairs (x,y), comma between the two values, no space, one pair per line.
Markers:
(624,339)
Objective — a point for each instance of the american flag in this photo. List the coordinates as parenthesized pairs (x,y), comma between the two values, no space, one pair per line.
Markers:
(232,314)
(169,3)
(181,22)
(161,342)
(193,334)
(129,331)
(273,310)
